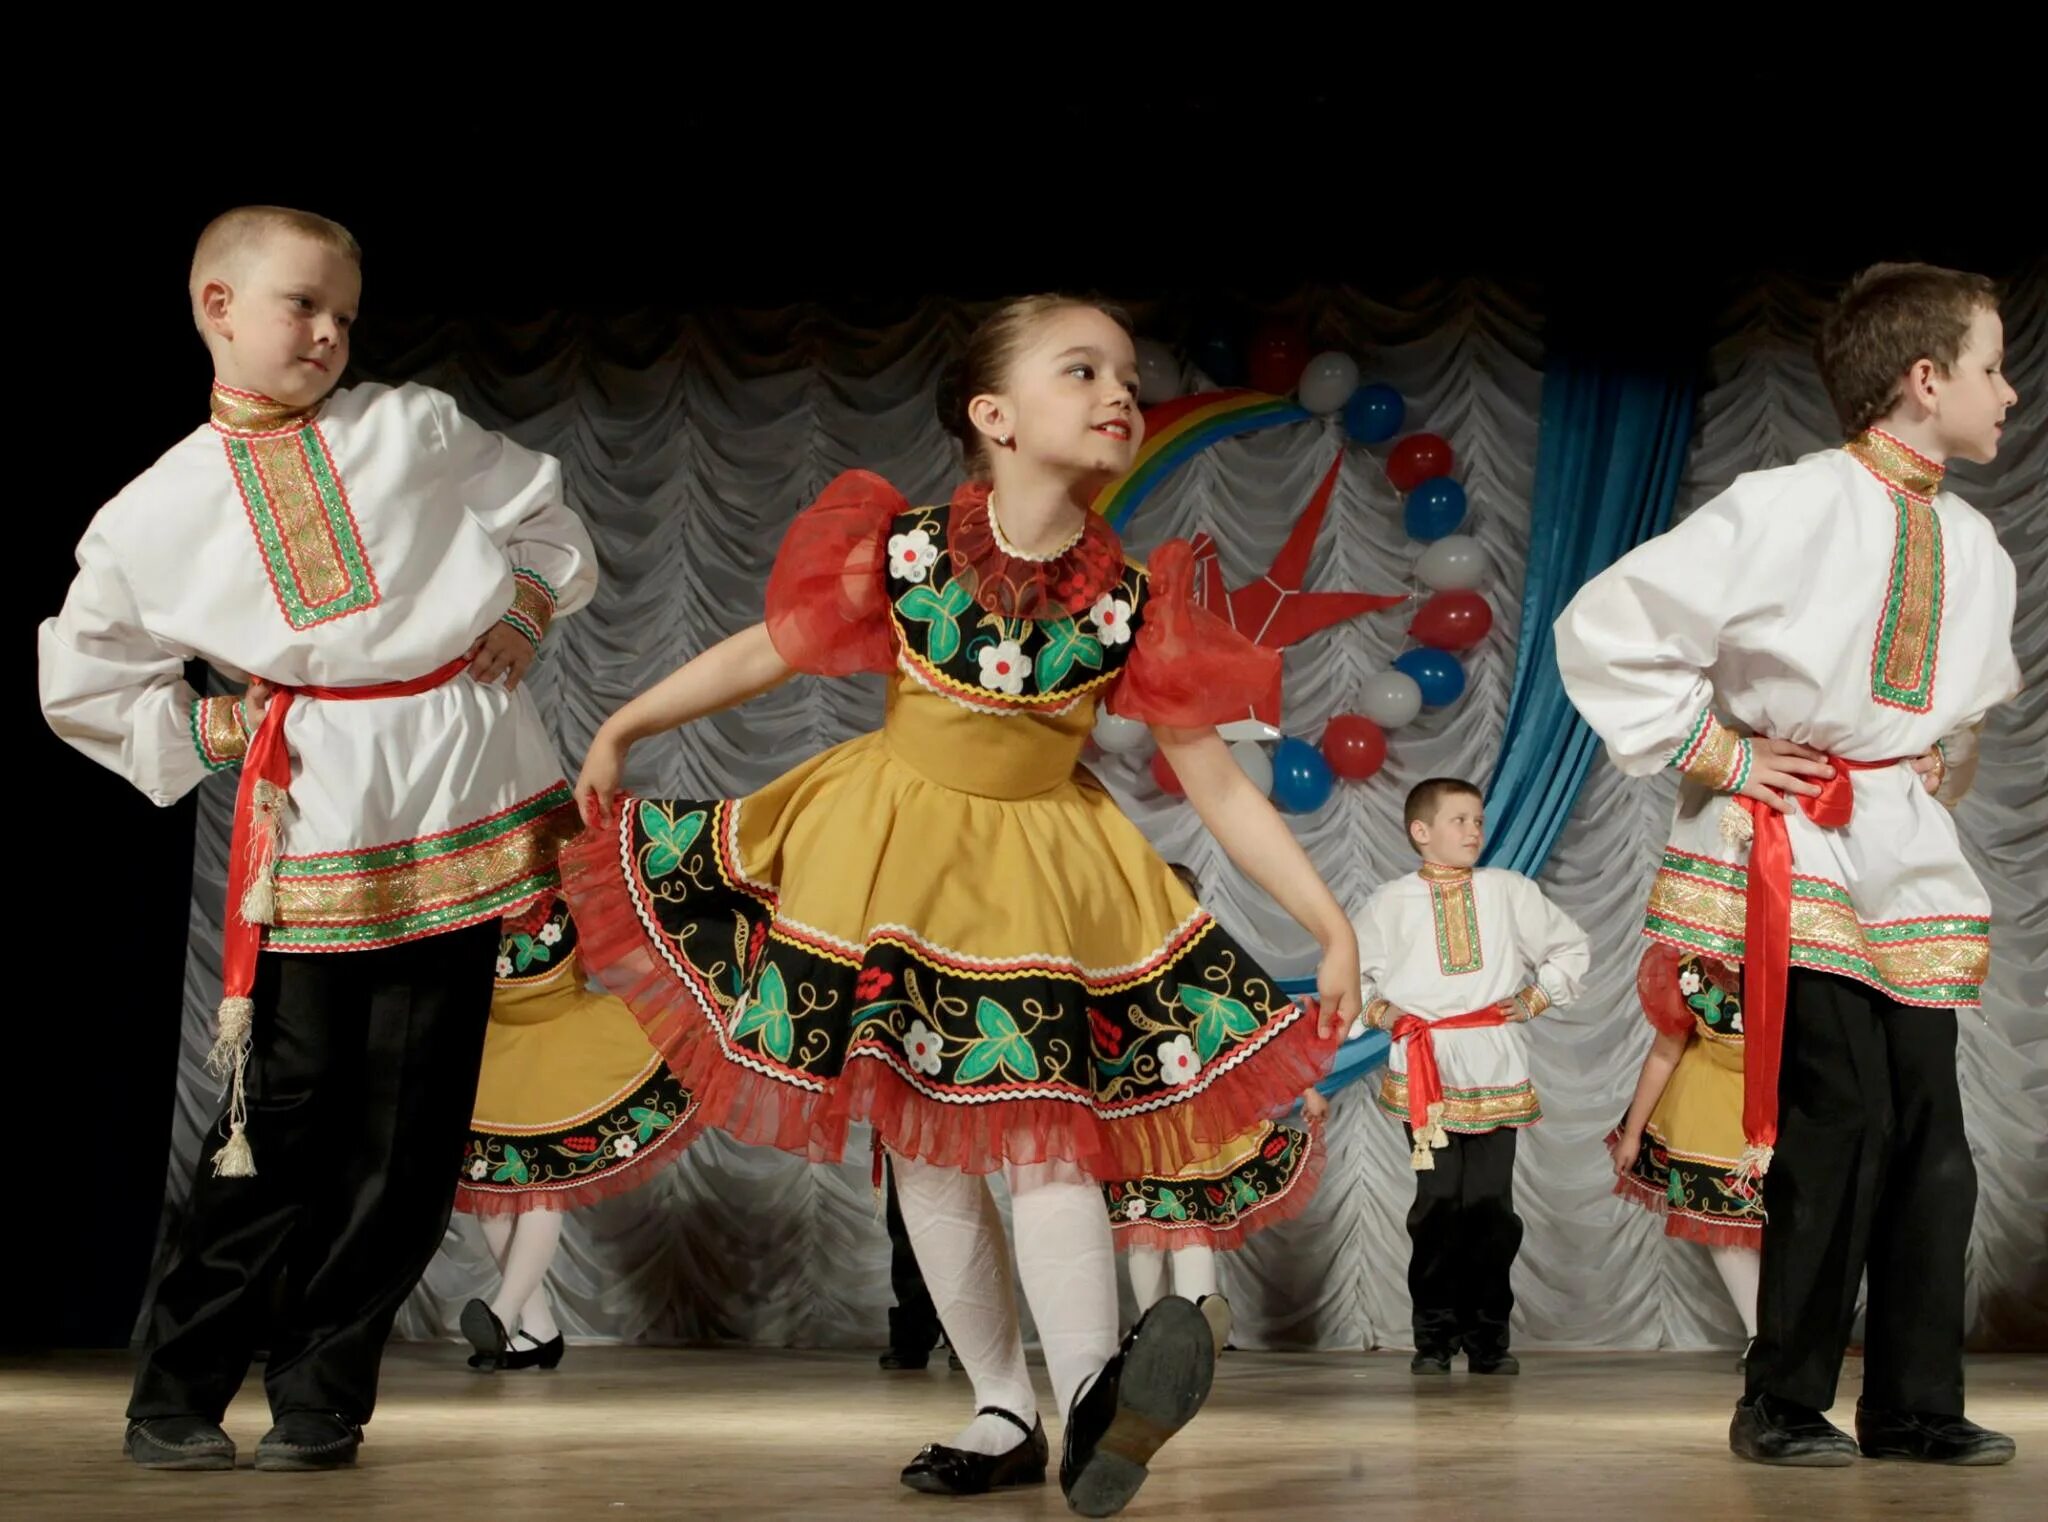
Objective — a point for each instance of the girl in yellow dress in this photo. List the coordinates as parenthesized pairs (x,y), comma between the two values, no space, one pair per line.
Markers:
(573,1105)
(946,930)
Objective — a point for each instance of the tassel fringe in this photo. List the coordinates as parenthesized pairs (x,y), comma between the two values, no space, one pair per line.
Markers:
(230,1059)
(259,898)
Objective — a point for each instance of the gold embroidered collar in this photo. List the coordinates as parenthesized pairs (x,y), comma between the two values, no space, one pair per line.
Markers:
(1435,872)
(249,414)
(1897,466)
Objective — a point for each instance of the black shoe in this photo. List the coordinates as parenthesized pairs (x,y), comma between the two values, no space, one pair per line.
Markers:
(1494,1363)
(486,1333)
(542,1355)
(941,1471)
(309,1440)
(1147,1392)
(1216,1311)
(1767,1430)
(178,1442)
(903,1358)
(1928,1439)
(1426,1362)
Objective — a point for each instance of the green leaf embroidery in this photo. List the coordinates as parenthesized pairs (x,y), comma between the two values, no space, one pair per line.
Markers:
(768,1013)
(669,839)
(527,951)
(1065,646)
(1242,1193)
(1675,1191)
(1169,1207)
(1002,1045)
(513,1169)
(940,610)
(651,1121)
(1216,1016)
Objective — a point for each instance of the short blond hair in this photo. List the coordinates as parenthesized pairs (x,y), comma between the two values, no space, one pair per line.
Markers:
(229,236)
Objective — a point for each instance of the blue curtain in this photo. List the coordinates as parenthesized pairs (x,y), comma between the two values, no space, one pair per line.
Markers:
(1608,463)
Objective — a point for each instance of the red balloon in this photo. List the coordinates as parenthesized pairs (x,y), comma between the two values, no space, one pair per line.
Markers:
(1163,775)
(1419,457)
(1354,746)
(1453,621)
(1275,359)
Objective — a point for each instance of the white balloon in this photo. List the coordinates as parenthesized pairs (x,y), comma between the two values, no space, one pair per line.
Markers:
(1256,764)
(1456,563)
(1327,383)
(1390,699)
(1120,736)
(1158,373)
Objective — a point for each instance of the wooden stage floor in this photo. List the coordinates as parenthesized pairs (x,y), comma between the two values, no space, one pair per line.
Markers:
(653,1432)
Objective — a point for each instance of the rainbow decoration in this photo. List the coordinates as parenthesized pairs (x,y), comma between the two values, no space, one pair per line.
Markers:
(1176,431)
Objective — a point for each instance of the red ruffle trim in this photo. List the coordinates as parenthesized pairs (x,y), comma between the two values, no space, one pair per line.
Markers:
(1680,1224)
(1014,587)
(1269,1212)
(828,596)
(624,1179)
(1657,987)
(1189,669)
(763,1111)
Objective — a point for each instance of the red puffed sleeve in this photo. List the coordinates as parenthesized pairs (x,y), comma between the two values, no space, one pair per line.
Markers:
(828,596)
(1188,668)
(1663,1000)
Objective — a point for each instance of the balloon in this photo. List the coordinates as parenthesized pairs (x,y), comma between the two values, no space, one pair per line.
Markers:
(1436,673)
(1452,564)
(1419,457)
(1215,349)
(1163,775)
(1354,747)
(1391,699)
(1327,383)
(1434,509)
(1302,780)
(1453,621)
(1275,359)
(1374,413)
(1158,373)
(1251,756)
(1120,736)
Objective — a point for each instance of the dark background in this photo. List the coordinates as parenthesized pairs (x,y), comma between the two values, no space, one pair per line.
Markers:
(1627,201)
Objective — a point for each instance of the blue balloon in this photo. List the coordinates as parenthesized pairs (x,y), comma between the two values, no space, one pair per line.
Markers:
(1434,510)
(1436,672)
(1218,355)
(1374,414)
(1302,779)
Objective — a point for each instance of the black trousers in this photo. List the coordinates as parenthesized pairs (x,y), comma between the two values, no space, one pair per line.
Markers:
(1465,1234)
(1871,1170)
(913,1319)
(361,1080)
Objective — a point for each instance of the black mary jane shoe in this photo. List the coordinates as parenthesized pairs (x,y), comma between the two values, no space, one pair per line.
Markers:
(486,1333)
(1146,1393)
(542,1355)
(1925,1438)
(941,1471)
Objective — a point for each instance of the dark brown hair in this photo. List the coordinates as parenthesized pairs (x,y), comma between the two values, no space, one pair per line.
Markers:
(1424,797)
(984,364)
(1890,317)
(1186,874)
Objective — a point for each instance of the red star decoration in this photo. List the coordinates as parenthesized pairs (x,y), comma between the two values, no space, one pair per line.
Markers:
(1273,611)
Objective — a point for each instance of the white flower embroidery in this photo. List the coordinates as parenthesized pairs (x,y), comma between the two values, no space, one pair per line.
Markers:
(1177,1060)
(504,967)
(1002,668)
(921,1047)
(1111,616)
(551,932)
(624,1146)
(911,555)
(478,1168)
(1689,980)
(1134,1210)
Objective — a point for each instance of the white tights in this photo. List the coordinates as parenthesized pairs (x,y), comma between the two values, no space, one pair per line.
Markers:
(1064,1258)
(1741,1269)
(524,1246)
(1194,1273)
